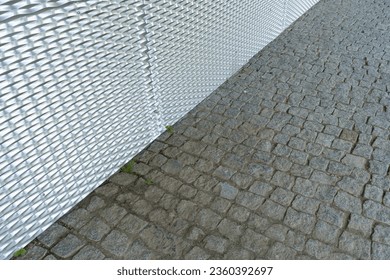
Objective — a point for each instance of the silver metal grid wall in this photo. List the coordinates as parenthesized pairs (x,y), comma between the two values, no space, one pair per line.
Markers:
(85,85)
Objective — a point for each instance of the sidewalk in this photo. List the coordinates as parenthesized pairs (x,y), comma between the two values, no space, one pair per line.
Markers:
(289,159)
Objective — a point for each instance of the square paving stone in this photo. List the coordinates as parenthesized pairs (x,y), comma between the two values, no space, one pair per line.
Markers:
(300,221)
(255,242)
(162,241)
(139,251)
(326,232)
(361,224)
(380,251)
(113,214)
(216,243)
(355,245)
(95,229)
(89,253)
(249,200)
(230,229)
(197,253)
(116,243)
(76,218)
(279,251)
(237,253)
(318,249)
(52,235)
(208,219)
(132,224)
(382,234)
(67,246)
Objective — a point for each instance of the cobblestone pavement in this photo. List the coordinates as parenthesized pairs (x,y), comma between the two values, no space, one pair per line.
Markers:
(289,159)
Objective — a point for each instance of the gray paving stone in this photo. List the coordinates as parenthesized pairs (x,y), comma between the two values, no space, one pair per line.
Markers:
(331,215)
(89,253)
(34,253)
(318,249)
(249,200)
(300,221)
(258,223)
(283,180)
(361,224)
(162,241)
(363,151)
(386,199)
(277,232)
(220,205)
(376,211)
(227,191)
(381,234)
(172,167)
(260,171)
(52,235)
(160,216)
(238,213)
(323,178)
(132,224)
(123,179)
(339,169)
(354,161)
(373,193)
(50,257)
(223,173)
(279,251)
(197,253)
(116,243)
(348,202)
(305,204)
(141,207)
(326,233)
(154,194)
(283,164)
(216,243)
(380,251)
(67,246)
(305,187)
(378,167)
(351,186)
(231,230)
(261,188)
(76,218)
(187,210)
(203,198)
(95,229)
(189,174)
(355,245)
(273,210)
(95,204)
(255,242)
(238,253)
(295,240)
(187,192)
(138,251)
(208,219)
(113,214)
(195,234)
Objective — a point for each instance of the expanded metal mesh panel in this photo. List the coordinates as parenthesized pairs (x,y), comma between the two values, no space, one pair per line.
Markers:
(295,8)
(85,85)
(196,45)
(75,106)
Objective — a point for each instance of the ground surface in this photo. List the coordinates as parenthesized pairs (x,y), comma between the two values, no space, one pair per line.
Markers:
(289,159)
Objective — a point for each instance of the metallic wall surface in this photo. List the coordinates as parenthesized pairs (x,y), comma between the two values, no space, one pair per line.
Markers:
(86,85)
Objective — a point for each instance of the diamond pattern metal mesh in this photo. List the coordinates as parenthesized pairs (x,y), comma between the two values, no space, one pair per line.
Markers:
(85,85)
